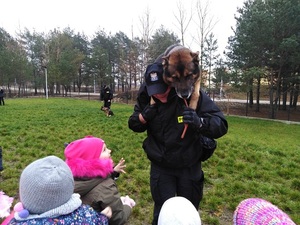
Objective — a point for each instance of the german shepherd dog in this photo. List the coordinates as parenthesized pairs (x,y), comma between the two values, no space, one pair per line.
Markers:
(181,71)
(108,112)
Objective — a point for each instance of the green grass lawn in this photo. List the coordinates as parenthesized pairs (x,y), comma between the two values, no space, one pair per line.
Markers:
(257,158)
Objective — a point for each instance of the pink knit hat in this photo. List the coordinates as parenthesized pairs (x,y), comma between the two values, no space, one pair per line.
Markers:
(86,148)
(256,211)
(82,156)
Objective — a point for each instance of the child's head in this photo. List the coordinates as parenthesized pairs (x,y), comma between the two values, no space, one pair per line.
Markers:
(178,211)
(86,148)
(88,157)
(46,188)
(259,211)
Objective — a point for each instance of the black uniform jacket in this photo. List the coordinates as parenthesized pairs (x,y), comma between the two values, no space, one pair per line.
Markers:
(164,145)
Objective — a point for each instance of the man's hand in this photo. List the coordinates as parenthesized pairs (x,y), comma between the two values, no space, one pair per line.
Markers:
(119,168)
(191,117)
(149,112)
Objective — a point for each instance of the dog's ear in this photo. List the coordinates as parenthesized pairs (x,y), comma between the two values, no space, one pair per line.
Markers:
(165,64)
(195,56)
(165,61)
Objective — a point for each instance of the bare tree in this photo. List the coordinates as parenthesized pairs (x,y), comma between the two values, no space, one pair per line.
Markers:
(205,23)
(183,19)
(146,30)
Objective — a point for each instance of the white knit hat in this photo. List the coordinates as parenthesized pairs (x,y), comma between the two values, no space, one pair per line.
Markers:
(46,186)
(178,211)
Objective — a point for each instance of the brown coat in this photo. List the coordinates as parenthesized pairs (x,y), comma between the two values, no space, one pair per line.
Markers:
(100,193)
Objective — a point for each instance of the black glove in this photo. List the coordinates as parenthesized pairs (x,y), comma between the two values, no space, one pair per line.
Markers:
(191,117)
(208,146)
(149,112)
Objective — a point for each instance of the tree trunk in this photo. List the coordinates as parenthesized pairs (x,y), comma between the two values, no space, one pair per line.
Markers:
(272,114)
(284,94)
(257,94)
(296,94)
(251,93)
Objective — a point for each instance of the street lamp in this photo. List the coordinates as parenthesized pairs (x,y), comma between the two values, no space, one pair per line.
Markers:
(44,65)
(94,83)
(46,78)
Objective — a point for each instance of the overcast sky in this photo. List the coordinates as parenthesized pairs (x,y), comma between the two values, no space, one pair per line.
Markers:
(111,15)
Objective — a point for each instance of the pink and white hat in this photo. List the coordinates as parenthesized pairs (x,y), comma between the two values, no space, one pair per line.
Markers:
(256,211)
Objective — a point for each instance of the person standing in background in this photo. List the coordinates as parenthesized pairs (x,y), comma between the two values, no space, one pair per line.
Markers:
(106,95)
(1,163)
(2,97)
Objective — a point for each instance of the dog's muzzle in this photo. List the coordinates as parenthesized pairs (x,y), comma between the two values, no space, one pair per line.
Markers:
(184,89)
(184,93)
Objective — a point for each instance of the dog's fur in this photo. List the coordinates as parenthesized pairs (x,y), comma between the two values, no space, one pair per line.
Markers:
(108,112)
(181,71)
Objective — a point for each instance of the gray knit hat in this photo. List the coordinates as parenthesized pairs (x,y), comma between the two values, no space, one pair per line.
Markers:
(46,184)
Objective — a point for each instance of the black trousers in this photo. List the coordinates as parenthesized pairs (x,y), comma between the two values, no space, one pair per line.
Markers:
(107,103)
(166,183)
(1,100)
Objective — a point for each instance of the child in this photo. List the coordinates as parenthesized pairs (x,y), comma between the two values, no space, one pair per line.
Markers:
(92,168)
(256,211)
(46,194)
(178,211)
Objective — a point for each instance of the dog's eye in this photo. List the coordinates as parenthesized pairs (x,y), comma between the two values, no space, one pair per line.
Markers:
(189,76)
(175,79)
